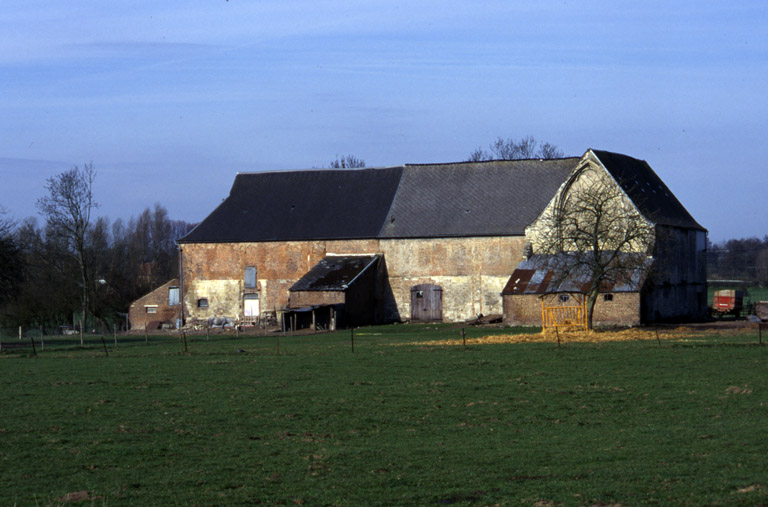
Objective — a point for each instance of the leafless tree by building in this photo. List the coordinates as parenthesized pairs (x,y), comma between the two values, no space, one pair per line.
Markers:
(596,233)
(67,211)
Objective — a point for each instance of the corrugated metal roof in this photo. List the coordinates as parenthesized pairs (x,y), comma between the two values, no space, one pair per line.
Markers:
(334,273)
(540,275)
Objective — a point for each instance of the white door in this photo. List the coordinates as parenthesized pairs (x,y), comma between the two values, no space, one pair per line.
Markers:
(251,307)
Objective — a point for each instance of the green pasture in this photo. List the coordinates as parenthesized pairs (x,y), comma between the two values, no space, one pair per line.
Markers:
(397,421)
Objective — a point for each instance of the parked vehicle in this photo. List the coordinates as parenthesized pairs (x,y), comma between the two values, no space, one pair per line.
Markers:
(727,302)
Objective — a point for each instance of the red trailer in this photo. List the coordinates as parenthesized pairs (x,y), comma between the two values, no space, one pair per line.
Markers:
(727,302)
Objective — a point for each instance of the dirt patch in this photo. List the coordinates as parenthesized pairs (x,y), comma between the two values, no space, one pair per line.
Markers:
(660,333)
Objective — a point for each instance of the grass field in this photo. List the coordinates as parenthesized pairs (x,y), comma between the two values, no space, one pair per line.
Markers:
(399,421)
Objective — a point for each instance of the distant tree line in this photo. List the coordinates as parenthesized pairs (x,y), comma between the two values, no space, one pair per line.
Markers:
(739,259)
(71,268)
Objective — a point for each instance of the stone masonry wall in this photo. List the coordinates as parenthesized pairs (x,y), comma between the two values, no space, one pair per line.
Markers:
(471,271)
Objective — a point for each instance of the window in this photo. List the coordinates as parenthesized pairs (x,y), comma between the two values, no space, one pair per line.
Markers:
(250,277)
(419,293)
(607,297)
(564,298)
(202,303)
(173,296)
(151,309)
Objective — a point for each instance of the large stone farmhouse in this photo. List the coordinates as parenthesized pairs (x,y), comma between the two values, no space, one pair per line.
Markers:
(407,243)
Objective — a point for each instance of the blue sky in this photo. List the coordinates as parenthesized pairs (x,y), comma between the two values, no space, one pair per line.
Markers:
(171,99)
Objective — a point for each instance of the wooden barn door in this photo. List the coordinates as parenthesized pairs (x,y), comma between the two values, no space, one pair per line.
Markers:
(426,303)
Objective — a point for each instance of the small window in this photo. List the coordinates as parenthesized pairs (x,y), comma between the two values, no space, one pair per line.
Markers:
(250,277)
(151,309)
(173,296)
(419,293)
(202,303)
(564,298)
(607,297)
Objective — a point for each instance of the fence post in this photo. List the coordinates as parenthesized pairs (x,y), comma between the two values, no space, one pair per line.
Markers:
(463,337)
(42,342)
(114,330)
(146,336)
(19,333)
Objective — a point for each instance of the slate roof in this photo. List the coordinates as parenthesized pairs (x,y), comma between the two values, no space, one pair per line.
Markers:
(301,205)
(334,273)
(536,275)
(649,193)
(490,198)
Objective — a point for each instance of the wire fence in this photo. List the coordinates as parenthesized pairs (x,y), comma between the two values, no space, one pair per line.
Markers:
(35,339)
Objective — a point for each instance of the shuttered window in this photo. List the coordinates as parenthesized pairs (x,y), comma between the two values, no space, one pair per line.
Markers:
(173,296)
(250,277)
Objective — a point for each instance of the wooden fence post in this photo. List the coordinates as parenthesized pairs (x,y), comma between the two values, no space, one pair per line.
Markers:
(42,342)
(463,337)
(146,336)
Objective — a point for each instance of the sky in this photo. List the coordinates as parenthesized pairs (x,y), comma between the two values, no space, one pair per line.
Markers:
(170,100)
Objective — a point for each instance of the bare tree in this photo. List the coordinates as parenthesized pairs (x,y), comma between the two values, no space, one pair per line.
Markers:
(596,235)
(67,211)
(347,162)
(513,149)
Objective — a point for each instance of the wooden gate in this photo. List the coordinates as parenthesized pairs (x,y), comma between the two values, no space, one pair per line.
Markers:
(557,316)
(426,303)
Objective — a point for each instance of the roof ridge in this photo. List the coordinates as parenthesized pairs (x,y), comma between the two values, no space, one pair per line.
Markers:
(426,164)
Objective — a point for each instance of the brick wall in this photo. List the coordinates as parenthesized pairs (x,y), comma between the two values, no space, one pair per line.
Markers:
(622,310)
(158,301)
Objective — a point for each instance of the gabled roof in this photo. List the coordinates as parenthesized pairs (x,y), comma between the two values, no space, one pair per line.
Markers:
(334,273)
(653,199)
(301,205)
(442,200)
(465,199)
(498,197)
(538,275)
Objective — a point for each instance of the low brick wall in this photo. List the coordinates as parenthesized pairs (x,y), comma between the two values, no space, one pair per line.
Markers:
(622,310)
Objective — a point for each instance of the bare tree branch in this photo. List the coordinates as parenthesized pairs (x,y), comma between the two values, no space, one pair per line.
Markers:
(596,234)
